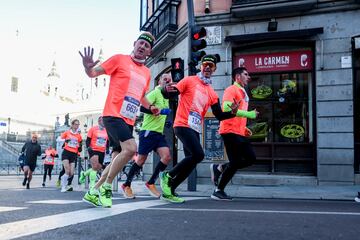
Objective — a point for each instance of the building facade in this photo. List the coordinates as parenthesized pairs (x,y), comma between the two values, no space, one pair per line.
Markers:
(304,59)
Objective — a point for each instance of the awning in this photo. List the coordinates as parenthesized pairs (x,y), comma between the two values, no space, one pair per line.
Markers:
(293,34)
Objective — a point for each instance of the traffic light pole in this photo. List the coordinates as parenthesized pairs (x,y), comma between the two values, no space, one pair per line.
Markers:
(191,23)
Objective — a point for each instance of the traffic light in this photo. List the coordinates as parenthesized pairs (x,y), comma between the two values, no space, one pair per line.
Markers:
(197,43)
(177,69)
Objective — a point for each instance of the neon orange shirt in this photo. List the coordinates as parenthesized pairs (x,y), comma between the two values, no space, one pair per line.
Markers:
(50,156)
(235,125)
(128,84)
(195,99)
(98,137)
(72,141)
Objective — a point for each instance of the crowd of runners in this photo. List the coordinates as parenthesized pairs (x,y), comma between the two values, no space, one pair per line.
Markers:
(128,94)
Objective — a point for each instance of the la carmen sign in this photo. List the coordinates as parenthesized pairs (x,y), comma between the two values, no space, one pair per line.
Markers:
(275,62)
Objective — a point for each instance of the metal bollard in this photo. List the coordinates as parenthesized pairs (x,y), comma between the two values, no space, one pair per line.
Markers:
(115,185)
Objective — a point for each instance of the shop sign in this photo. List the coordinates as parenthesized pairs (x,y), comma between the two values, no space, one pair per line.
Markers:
(275,62)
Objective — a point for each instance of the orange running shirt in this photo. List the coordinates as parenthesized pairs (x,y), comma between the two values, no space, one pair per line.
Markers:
(50,156)
(195,99)
(235,125)
(98,137)
(72,141)
(128,84)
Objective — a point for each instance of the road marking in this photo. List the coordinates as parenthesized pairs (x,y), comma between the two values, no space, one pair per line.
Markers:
(6,209)
(255,211)
(37,225)
(56,201)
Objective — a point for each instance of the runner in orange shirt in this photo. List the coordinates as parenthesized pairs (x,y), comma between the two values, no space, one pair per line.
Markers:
(235,134)
(97,145)
(49,162)
(73,145)
(196,96)
(129,81)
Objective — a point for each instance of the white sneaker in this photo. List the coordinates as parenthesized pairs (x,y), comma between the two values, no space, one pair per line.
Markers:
(357,199)
(63,189)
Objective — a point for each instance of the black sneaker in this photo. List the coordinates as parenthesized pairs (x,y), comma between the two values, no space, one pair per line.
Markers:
(215,173)
(357,199)
(24,182)
(28,186)
(221,196)
(43,184)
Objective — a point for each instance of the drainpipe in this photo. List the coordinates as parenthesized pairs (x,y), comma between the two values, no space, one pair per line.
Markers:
(226,59)
(207,6)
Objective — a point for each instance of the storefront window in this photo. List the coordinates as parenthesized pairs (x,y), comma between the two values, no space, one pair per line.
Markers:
(283,102)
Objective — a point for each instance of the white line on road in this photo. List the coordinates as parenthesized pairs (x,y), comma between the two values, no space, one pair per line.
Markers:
(42,224)
(56,201)
(255,211)
(6,209)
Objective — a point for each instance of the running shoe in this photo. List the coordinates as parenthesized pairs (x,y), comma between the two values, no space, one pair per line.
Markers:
(58,183)
(105,196)
(24,182)
(215,174)
(92,199)
(69,188)
(152,190)
(43,184)
(357,199)
(63,189)
(164,183)
(172,198)
(127,192)
(28,186)
(82,177)
(220,195)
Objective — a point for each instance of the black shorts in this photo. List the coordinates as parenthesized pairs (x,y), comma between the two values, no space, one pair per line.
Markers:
(150,141)
(101,156)
(118,131)
(31,165)
(67,155)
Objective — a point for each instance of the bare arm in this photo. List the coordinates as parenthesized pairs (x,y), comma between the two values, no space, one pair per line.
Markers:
(90,66)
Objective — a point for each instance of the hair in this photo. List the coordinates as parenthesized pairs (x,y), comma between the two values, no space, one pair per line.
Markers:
(236,71)
(75,120)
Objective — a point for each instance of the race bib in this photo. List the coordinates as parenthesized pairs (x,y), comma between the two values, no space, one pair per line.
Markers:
(130,107)
(49,160)
(194,121)
(107,158)
(101,142)
(73,143)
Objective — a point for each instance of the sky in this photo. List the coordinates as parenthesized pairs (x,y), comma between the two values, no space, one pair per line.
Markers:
(34,33)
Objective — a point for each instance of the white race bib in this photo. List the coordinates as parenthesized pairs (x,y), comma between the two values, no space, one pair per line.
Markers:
(194,121)
(73,143)
(101,142)
(130,107)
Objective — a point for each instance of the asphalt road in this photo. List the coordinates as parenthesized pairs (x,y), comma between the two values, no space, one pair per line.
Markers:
(45,213)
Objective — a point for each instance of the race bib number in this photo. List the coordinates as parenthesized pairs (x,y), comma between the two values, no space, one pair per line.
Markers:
(107,158)
(101,142)
(130,107)
(73,143)
(194,121)
(49,160)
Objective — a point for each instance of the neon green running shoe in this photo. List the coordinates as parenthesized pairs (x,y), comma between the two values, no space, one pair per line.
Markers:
(82,177)
(92,199)
(172,198)
(105,196)
(164,183)
(58,183)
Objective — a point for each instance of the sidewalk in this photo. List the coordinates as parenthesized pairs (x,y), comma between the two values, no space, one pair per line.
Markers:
(205,190)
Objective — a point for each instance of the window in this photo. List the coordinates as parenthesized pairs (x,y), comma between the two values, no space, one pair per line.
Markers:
(283,101)
(14,84)
(144,11)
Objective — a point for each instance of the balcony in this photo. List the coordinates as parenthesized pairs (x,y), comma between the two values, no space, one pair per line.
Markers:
(250,8)
(163,23)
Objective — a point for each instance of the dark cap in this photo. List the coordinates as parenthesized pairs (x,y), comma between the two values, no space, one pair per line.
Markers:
(147,37)
(213,58)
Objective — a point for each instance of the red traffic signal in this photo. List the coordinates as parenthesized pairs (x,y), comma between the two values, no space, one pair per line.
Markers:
(177,69)
(198,32)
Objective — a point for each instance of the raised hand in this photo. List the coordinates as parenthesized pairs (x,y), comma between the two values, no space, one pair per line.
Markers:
(87,58)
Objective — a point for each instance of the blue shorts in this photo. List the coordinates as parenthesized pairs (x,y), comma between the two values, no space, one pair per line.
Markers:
(150,141)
